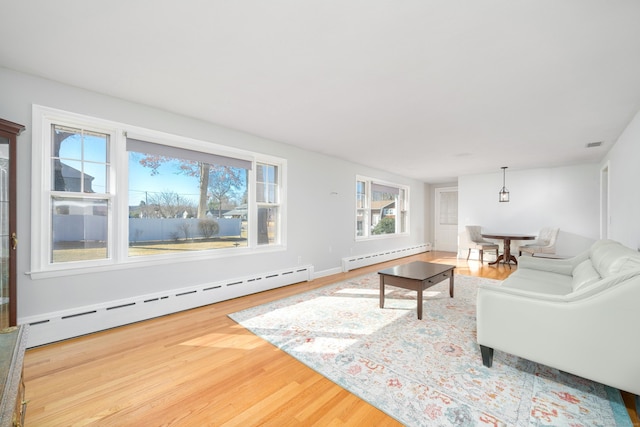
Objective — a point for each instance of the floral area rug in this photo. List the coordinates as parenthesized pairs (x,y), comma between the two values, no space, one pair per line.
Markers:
(425,372)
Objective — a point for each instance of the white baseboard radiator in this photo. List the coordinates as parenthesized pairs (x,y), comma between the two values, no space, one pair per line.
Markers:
(66,324)
(353,262)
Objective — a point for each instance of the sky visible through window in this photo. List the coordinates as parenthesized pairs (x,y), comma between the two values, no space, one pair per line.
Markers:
(141,182)
(88,152)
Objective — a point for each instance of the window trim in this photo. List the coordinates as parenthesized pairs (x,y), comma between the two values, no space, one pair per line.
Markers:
(42,267)
(369,184)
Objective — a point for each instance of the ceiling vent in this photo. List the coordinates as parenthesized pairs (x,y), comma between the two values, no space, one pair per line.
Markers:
(594,144)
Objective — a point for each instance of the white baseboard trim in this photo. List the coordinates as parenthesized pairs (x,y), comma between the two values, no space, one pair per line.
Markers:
(325,273)
(353,262)
(61,325)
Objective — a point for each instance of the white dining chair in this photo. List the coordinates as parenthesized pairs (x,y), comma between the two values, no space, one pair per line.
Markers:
(477,242)
(545,243)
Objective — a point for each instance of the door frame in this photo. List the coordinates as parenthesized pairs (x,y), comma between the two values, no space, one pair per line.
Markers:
(605,220)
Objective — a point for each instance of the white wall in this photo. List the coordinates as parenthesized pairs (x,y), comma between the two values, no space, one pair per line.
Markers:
(623,161)
(321,204)
(320,225)
(564,197)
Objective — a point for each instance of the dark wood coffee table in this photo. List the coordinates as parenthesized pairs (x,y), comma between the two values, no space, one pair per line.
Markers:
(417,276)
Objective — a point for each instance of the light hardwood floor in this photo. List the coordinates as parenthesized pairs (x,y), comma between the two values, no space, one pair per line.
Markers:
(198,368)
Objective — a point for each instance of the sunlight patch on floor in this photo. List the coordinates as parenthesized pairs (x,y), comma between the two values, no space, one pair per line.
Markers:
(318,314)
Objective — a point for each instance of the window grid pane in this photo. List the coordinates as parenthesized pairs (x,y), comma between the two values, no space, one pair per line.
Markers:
(80,160)
(267,183)
(80,229)
(268,219)
(361,194)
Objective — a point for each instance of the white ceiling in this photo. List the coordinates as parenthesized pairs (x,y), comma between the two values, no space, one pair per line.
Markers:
(429,89)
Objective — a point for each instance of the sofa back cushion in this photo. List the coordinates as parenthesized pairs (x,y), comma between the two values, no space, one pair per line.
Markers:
(584,275)
(602,242)
(611,257)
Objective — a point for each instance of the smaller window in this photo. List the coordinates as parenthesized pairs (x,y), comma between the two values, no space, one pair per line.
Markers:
(268,201)
(381,208)
(79,198)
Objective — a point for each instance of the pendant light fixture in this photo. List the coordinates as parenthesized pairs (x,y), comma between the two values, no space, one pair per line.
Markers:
(503,196)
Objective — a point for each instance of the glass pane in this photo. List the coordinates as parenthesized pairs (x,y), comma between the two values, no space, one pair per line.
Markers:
(67,142)
(4,180)
(268,219)
(79,160)
(67,176)
(361,225)
(95,147)
(95,177)
(361,195)
(4,218)
(383,211)
(4,281)
(267,183)
(79,229)
(4,169)
(179,205)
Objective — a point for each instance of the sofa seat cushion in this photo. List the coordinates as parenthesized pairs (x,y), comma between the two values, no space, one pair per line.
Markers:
(540,281)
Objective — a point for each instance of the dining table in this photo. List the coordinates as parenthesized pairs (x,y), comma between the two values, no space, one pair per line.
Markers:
(506,238)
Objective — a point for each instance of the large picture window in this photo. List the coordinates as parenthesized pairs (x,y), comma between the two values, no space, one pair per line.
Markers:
(381,208)
(185,200)
(106,193)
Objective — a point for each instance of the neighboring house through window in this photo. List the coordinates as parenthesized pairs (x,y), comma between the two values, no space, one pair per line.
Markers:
(381,208)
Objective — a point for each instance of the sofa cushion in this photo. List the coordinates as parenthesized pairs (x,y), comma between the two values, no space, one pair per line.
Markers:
(600,243)
(614,258)
(584,275)
(559,266)
(544,282)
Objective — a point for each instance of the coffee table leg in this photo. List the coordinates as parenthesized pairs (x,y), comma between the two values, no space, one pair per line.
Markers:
(381,291)
(420,301)
(451,285)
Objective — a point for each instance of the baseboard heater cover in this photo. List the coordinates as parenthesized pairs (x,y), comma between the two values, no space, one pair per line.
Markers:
(61,325)
(351,263)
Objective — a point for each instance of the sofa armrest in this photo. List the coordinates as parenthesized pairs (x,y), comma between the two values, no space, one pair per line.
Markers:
(560,266)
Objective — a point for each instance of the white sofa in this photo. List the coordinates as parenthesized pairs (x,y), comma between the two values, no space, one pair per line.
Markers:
(579,315)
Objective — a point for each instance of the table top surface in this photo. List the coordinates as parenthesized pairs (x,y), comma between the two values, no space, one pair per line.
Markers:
(512,236)
(417,270)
